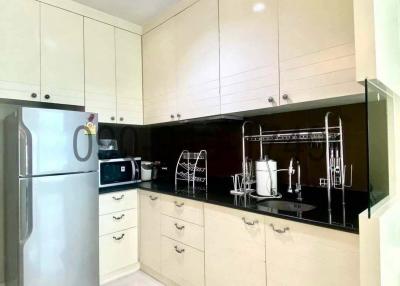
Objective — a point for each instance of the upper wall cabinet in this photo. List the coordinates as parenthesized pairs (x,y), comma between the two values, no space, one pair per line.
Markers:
(249,54)
(62,56)
(181,66)
(316,50)
(20,50)
(197,60)
(159,74)
(129,77)
(100,89)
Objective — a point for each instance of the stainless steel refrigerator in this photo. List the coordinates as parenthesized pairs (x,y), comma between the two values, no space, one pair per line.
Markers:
(51,198)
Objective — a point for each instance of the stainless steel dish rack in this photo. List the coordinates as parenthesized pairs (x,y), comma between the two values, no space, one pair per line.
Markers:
(192,168)
(330,136)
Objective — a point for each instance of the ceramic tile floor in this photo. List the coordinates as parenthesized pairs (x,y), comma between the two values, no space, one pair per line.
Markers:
(137,279)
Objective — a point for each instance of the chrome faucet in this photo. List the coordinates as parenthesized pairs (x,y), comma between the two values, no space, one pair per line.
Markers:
(291,172)
(298,184)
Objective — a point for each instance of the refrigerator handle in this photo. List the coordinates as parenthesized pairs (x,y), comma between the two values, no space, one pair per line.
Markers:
(25,150)
(26,211)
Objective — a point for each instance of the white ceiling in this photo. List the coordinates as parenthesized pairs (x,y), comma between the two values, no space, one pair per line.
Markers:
(136,11)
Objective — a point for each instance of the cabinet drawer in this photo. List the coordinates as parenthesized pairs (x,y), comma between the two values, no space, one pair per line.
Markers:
(187,210)
(181,263)
(185,232)
(334,255)
(114,222)
(118,250)
(118,201)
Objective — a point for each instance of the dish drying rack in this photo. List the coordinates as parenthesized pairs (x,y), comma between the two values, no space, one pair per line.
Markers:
(192,168)
(330,136)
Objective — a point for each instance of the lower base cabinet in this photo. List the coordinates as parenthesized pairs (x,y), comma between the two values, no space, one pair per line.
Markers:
(181,264)
(240,248)
(313,256)
(118,250)
(234,247)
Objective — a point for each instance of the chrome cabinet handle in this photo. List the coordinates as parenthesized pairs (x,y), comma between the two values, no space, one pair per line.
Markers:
(178,115)
(153,198)
(120,237)
(121,119)
(47,96)
(285,96)
(112,118)
(119,217)
(179,205)
(34,95)
(172,116)
(285,229)
(179,227)
(249,222)
(182,250)
(118,199)
(270,99)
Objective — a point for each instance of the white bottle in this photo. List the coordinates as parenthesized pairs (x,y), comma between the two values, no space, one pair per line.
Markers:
(266,178)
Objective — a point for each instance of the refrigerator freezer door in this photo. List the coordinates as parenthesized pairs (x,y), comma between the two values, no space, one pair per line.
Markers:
(57,142)
(62,244)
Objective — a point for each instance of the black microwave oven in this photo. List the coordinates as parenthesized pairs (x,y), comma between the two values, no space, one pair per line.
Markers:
(117,172)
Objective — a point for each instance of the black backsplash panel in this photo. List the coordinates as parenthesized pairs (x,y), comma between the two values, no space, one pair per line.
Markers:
(222,140)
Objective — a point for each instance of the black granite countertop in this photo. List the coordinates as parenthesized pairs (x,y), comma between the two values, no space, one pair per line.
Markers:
(218,193)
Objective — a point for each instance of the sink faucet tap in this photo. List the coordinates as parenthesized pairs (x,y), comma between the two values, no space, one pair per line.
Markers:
(298,184)
(291,171)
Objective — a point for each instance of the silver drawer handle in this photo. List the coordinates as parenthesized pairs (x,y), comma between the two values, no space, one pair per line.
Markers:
(179,250)
(179,205)
(249,222)
(179,227)
(118,199)
(285,229)
(153,198)
(120,237)
(118,217)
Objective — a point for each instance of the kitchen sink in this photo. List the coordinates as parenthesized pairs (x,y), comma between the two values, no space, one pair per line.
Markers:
(287,206)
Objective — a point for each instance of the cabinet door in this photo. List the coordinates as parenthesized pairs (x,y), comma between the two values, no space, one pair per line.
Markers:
(118,250)
(150,230)
(318,256)
(100,70)
(129,77)
(20,49)
(197,60)
(234,247)
(316,49)
(62,56)
(159,75)
(249,54)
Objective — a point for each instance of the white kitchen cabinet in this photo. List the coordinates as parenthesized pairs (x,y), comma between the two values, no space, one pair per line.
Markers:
(100,77)
(181,66)
(20,50)
(181,263)
(249,54)
(183,209)
(234,247)
(118,235)
(129,77)
(150,230)
(159,74)
(316,50)
(197,60)
(62,56)
(118,250)
(316,256)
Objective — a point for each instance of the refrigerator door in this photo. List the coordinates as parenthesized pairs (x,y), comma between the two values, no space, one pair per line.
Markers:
(59,233)
(56,142)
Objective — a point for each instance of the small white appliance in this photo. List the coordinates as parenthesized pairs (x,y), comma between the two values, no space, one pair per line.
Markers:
(266,178)
(147,170)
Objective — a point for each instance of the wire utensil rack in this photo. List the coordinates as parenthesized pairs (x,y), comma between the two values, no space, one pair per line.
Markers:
(192,168)
(330,136)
